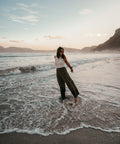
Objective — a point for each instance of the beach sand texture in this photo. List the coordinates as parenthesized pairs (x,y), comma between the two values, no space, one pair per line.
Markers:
(81,136)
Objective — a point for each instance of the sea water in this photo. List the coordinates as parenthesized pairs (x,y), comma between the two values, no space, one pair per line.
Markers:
(30,95)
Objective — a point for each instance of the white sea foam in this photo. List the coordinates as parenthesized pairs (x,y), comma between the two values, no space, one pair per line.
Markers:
(29,102)
(117,129)
(41,131)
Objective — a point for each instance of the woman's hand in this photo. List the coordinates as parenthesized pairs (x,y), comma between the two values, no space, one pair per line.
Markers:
(71,68)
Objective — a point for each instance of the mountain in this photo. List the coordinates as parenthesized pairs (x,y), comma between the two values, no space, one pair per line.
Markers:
(72,49)
(1,49)
(25,50)
(88,49)
(18,50)
(15,49)
(112,44)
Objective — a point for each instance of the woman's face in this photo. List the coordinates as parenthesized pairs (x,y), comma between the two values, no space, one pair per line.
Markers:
(61,52)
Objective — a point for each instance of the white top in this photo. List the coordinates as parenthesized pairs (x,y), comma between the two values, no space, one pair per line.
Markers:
(59,62)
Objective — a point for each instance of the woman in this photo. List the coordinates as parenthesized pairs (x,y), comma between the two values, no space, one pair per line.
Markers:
(63,76)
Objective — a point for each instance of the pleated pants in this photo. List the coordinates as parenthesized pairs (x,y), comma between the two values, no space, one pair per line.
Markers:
(64,78)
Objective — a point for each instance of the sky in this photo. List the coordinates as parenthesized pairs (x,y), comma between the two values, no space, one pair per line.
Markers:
(48,24)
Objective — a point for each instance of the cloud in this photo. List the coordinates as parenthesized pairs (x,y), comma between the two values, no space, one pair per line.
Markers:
(85,11)
(22,19)
(22,5)
(53,37)
(25,13)
(33,5)
(95,35)
(26,8)
(15,41)
(3,37)
(99,35)
(36,39)
(16,20)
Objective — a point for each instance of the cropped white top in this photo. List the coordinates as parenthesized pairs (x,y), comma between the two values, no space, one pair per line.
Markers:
(59,62)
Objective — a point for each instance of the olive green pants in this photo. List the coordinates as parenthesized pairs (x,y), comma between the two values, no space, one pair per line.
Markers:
(62,78)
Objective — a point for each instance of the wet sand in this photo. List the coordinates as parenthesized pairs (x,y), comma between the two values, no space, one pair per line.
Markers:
(81,136)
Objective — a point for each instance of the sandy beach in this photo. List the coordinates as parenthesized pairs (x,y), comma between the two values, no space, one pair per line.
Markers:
(30,102)
(81,136)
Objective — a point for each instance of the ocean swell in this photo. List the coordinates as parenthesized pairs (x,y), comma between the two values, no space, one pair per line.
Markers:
(25,69)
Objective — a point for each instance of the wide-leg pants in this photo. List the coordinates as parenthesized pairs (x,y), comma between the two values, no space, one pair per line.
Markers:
(62,78)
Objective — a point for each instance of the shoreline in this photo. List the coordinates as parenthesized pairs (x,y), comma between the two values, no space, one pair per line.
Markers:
(80,136)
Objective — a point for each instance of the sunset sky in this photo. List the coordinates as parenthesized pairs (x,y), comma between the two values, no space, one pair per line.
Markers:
(47,24)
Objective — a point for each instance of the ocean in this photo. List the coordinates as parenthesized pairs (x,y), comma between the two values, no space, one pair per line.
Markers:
(30,96)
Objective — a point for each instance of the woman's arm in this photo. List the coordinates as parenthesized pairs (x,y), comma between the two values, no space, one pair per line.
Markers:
(67,63)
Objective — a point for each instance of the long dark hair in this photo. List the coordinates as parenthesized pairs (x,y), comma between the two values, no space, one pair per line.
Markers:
(58,52)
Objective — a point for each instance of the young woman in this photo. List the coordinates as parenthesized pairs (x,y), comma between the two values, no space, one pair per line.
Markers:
(63,76)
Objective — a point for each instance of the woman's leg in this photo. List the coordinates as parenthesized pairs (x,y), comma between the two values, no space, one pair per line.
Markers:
(61,83)
(71,84)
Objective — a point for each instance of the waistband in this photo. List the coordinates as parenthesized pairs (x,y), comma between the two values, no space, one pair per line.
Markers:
(60,68)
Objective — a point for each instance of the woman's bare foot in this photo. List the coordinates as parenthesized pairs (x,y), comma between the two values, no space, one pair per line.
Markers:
(75,100)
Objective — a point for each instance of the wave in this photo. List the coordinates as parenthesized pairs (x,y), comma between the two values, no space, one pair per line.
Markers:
(44,67)
(9,71)
(26,69)
(17,70)
(87,61)
(40,131)
(26,55)
(13,56)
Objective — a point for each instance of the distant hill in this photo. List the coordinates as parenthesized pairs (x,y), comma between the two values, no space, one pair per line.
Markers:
(112,44)
(15,49)
(18,50)
(88,49)
(26,50)
(72,49)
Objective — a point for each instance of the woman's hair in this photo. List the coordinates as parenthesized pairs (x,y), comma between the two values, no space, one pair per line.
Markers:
(58,52)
